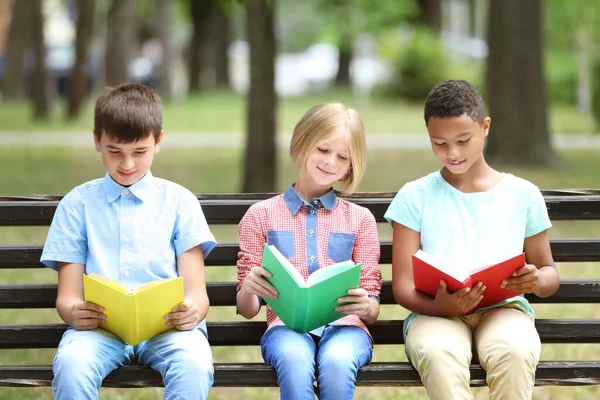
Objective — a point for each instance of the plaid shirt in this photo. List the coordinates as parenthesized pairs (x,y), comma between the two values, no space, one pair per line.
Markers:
(312,235)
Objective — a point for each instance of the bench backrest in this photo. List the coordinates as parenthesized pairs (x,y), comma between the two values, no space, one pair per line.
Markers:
(568,204)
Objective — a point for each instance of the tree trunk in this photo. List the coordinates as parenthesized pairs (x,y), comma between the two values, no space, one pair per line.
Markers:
(584,81)
(222,41)
(164,21)
(345,57)
(79,74)
(515,85)
(16,47)
(41,79)
(119,41)
(431,14)
(260,157)
(201,50)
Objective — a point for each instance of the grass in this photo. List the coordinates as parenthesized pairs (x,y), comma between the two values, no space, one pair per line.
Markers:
(225,112)
(42,171)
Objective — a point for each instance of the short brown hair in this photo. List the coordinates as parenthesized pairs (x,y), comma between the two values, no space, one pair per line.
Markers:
(325,120)
(128,113)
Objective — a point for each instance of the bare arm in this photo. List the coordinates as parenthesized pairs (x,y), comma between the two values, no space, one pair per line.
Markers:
(70,302)
(405,243)
(539,276)
(194,308)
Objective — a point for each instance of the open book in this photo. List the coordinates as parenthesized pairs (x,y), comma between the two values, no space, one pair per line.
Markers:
(135,315)
(428,271)
(306,305)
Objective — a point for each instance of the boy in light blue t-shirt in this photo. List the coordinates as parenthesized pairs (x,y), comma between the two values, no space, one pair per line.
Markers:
(470,213)
(132,228)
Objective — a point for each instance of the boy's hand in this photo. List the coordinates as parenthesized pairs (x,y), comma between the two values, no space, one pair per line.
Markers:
(460,302)
(86,316)
(359,303)
(256,284)
(184,317)
(525,279)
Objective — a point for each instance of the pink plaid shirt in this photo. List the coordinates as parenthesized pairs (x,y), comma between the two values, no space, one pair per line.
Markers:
(312,235)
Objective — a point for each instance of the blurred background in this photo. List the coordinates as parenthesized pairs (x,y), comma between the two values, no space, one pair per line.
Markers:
(235,76)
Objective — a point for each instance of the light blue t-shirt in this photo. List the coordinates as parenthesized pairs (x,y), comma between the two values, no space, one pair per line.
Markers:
(132,235)
(475,228)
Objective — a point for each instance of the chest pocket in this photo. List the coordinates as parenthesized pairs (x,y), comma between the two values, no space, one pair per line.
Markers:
(340,245)
(283,241)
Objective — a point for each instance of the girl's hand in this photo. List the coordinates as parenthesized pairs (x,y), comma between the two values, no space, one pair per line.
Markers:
(526,279)
(256,284)
(359,303)
(184,317)
(86,316)
(460,302)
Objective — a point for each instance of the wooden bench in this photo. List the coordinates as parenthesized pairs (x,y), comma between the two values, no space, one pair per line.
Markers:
(228,209)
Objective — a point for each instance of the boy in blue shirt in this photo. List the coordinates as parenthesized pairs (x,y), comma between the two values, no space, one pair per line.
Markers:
(470,214)
(132,228)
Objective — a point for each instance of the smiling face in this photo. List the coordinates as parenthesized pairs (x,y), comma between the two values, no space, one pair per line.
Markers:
(127,163)
(327,163)
(457,141)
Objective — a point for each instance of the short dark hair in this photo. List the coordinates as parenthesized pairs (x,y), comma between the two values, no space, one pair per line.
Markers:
(454,98)
(128,113)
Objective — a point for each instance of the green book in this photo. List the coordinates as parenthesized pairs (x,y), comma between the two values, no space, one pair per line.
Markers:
(304,306)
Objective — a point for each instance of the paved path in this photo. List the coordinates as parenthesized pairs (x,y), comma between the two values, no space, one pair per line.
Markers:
(234,140)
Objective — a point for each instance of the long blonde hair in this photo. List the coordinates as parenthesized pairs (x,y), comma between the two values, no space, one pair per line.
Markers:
(326,120)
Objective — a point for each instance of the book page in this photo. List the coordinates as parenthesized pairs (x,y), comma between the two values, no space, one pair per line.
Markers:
(325,273)
(459,272)
(284,262)
(109,282)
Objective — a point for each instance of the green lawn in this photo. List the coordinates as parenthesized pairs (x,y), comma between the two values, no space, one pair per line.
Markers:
(222,111)
(36,171)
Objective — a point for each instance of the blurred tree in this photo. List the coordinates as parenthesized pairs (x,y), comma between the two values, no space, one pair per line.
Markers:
(41,78)
(80,73)
(260,157)
(431,14)
(120,41)
(163,24)
(222,39)
(574,26)
(515,85)
(201,53)
(16,48)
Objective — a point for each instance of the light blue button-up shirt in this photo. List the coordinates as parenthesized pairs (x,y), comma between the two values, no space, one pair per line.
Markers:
(132,235)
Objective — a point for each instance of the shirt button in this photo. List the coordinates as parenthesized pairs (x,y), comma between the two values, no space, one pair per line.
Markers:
(311,232)
(312,211)
(126,191)
(126,240)
(316,202)
(312,258)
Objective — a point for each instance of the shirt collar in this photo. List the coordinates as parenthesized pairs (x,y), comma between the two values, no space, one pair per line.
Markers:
(141,189)
(294,201)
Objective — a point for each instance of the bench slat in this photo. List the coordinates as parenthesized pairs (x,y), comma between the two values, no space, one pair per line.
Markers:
(221,211)
(223,294)
(225,254)
(548,373)
(248,333)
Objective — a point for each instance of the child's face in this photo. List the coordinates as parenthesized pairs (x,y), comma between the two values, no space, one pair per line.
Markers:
(127,163)
(457,141)
(329,161)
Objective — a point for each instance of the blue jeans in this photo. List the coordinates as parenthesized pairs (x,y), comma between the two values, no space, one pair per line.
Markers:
(85,358)
(337,356)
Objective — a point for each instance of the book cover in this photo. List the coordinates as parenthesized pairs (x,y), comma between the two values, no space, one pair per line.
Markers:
(135,315)
(306,305)
(428,271)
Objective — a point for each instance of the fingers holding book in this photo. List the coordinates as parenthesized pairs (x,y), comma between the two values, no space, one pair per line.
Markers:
(184,317)
(256,284)
(525,279)
(357,303)
(87,316)
(460,302)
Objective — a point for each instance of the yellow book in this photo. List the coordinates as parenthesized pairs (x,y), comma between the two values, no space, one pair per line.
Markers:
(134,315)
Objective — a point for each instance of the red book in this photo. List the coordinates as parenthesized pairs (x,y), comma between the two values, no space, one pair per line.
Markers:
(428,271)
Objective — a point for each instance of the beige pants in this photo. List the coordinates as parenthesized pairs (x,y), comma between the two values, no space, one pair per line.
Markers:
(507,344)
